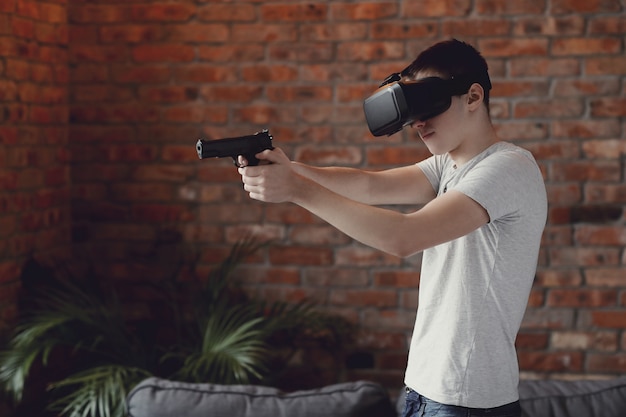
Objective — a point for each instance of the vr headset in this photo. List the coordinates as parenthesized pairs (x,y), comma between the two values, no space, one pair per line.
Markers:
(399,103)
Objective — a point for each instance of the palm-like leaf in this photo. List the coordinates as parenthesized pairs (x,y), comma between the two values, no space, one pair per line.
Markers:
(232,349)
(218,335)
(97,392)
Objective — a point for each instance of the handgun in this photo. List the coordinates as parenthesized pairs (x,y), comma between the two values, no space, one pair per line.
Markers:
(247,146)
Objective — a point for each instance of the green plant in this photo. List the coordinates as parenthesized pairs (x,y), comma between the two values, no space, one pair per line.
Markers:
(208,330)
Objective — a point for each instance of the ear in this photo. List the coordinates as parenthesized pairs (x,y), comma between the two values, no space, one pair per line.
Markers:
(475,96)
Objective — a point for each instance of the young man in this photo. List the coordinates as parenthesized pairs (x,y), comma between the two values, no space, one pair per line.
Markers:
(483,214)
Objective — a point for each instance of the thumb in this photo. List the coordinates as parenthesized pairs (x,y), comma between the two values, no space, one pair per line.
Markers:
(275,156)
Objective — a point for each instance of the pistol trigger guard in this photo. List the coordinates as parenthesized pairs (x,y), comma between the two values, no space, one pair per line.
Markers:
(235,161)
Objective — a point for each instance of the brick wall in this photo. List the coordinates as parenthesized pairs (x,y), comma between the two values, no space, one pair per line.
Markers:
(34,159)
(150,77)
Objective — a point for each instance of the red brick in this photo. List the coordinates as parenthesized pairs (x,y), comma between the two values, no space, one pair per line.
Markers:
(299,93)
(370,51)
(507,47)
(364,256)
(531,66)
(604,148)
(335,32)
(369,298)
(280,276)
(300,255)
(335,277)
(9,271)
(87,13)
(504,7)
(584,88)
(265,115)
(266,73)
(294,12)
(393,30)
(553,150)
(145,74)
(609,319)
(8,90)
(586,46)
(551,361)
(397,279)
(401,155)
(114,113)
(601,236)
(50,33)
(603,341)
(587,256)
(584,6)
(435,8)
(551,26)
(468,27)
(244,93)
(163,53)
(586,128)
(342,155)
(306,52)
(554,108)
(216,12)
(518,88)
(527,340)
(605,277)
(196,114)
(153,213)
(53,13)
(130,33)
(162,12)
(609,363)
(605,65)
(22,27)
(558,278)
(97,53)
(8,6)
(231,53)
(607,25)
(512,131)
(581,298)
(199,32)
(608,107)
(169,94)
(363,11)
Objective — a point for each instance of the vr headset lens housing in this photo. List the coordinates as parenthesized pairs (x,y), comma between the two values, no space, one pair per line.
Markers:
(397,104)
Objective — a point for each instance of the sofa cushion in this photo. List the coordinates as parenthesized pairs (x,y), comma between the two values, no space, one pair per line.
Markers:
(599,398)
(156,397)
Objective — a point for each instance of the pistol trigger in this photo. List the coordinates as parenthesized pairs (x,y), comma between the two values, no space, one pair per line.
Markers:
(235,161)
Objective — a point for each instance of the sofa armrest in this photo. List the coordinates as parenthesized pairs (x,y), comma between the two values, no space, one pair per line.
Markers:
(551,398)
(156,397)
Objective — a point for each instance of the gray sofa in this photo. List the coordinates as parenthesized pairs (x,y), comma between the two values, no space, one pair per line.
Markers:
(162,398)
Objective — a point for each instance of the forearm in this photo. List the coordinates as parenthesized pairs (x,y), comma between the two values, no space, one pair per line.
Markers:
(351,183)
(379,228)
(403,185)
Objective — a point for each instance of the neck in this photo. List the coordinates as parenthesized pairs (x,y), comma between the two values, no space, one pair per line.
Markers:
(479,139)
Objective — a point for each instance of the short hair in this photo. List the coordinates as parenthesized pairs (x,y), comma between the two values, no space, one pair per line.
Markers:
(453,59)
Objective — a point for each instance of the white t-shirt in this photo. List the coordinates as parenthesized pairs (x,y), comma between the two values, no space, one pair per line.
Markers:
(474,290)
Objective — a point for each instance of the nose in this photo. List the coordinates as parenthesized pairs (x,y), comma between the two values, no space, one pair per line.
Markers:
(417,124)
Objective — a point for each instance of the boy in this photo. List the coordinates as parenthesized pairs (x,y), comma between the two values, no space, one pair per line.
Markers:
(480,226)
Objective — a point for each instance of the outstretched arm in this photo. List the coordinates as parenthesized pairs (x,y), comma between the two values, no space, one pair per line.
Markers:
(403,185)
(443,219)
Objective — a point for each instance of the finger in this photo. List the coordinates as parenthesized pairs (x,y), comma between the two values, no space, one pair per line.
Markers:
(242,161)
(273,156)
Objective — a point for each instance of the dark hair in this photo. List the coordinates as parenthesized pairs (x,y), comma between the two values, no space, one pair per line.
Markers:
(453,59)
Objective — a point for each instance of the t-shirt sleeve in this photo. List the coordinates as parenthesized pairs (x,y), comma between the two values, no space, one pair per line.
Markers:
(499,183)
(432,167)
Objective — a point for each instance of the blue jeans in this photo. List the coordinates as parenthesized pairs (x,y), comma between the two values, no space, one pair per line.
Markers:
(419,406)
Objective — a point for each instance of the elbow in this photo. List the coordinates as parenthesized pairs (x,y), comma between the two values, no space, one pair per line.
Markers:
(403,248)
